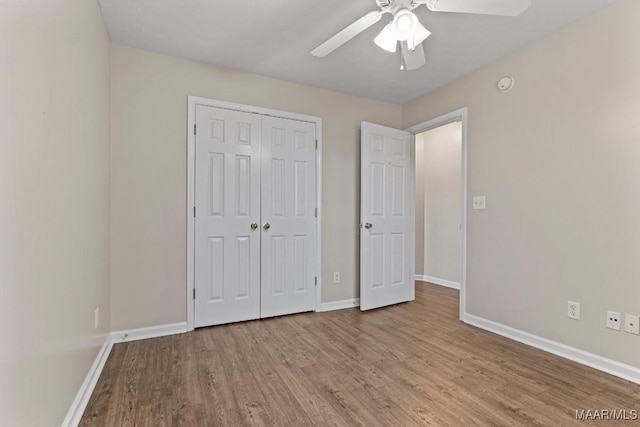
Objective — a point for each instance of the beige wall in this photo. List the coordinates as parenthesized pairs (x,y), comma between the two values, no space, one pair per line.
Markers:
(557,158)
(149,186)
(54,204)
(442,174)
(419,185)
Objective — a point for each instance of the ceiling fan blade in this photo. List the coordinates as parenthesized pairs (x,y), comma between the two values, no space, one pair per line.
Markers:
(484,7)
(412,59)
(347,34)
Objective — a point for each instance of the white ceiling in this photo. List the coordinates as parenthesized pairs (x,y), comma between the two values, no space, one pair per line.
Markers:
(274,37)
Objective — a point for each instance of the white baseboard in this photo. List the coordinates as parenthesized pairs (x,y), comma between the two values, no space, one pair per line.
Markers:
(610,366)
(74,415)
(436,281)
(339,305)
(150,332)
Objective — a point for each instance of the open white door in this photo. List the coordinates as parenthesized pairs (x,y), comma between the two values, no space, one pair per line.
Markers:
(386,215)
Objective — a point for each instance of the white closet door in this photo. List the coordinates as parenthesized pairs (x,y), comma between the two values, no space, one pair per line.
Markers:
(288,216)
(227,199)
(386,243)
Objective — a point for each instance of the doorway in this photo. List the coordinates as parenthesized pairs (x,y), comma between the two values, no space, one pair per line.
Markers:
(441,190)
(438,210)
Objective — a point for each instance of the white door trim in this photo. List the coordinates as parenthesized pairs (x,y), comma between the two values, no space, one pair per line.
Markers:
(460,114)
(192,101)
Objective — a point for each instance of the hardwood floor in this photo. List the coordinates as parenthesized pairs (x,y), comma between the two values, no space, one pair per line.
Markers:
(407,365)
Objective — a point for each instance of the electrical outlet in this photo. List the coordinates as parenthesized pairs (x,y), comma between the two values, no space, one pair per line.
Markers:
(336,277)
(479,202)
(573,310)
(613,320)
(631,324)
(96,318)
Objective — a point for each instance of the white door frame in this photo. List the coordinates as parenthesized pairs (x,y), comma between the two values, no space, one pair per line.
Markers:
(460,114)
(192,102)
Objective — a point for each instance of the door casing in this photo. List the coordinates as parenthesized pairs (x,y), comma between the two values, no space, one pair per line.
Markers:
(192,101)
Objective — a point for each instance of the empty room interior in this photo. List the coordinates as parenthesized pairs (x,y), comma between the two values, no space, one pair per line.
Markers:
(373,212)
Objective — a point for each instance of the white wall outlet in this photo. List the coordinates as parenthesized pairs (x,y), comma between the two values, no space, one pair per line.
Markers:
(613,320)
(631,324)
(96,318)
(336,277)
(479,202)
(573,310)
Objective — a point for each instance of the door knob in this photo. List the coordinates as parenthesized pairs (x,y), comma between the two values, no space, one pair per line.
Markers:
(368,225)
(266,226)
(254,226)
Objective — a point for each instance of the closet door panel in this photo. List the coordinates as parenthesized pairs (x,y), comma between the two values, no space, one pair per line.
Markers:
(227,201)
(288,216)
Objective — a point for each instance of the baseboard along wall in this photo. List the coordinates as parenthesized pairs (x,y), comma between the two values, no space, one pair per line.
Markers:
(339,305)
(436,281)
(150,332)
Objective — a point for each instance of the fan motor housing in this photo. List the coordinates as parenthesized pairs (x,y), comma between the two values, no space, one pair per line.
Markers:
(392,6)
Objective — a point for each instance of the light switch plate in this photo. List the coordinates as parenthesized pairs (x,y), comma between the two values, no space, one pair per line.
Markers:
(479,202)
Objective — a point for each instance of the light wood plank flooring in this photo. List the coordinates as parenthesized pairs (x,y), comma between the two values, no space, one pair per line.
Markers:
(407,365)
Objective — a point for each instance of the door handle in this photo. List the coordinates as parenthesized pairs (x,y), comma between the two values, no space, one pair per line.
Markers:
(368,225)
(254,226)
(266,226)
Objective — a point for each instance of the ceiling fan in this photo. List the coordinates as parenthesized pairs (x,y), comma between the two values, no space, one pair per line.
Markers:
(405,28)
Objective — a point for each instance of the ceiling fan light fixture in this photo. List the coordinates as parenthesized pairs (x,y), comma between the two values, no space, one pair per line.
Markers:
(387,39)
(404,24)
(418,36)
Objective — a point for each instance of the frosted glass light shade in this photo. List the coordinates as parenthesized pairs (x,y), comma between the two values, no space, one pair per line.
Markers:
(419,35)
(387,39)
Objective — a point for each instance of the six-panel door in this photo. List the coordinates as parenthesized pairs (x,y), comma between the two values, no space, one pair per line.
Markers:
(227,199)
(386,257)
(288,206)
